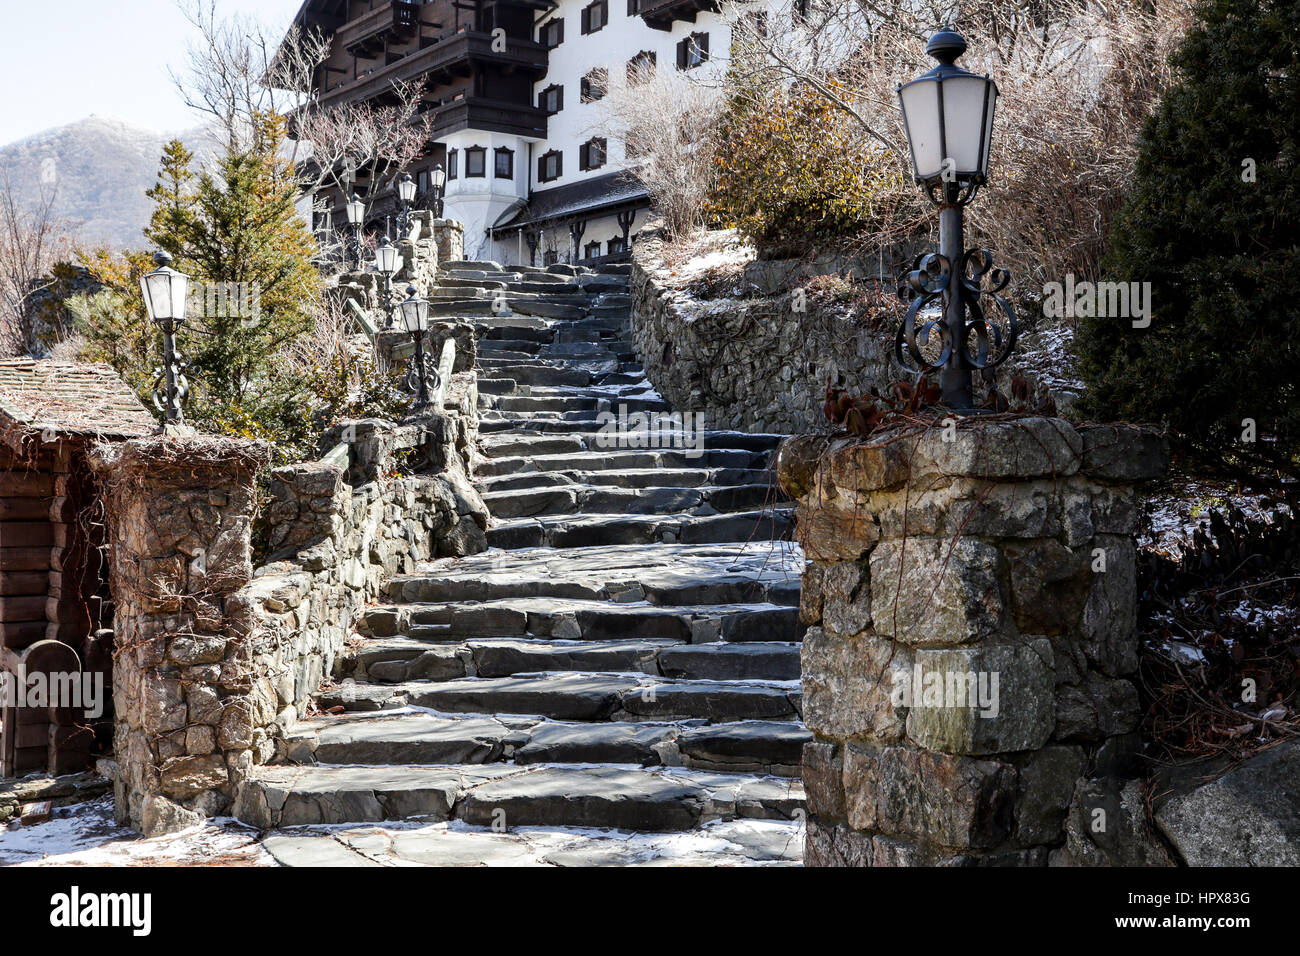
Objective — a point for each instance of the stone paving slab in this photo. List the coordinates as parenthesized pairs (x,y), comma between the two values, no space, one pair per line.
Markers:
(723,843)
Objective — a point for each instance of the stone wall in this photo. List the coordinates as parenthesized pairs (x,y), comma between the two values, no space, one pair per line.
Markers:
(215,659)
(757,358)
(436,241)
(179,514)
(994,550)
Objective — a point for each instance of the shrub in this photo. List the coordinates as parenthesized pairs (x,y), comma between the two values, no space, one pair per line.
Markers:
(1211,223)
(793,172)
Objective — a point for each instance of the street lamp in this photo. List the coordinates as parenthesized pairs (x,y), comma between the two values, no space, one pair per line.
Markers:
(165,292)
(406,194)
(948,115)
(415,320)
(388,261)
(437,180)
(356,210)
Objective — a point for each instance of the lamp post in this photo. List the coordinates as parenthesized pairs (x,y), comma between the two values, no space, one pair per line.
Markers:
(387,263)
(356,210)
(165,292)
(406,194)
(415,320)
(437,182)
(948,115)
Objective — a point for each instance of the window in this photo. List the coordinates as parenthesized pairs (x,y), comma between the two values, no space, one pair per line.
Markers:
(452,164)
(692,51)
(505,163)
(641,67)
(422,181)
(616,245)
(595,16)
(551,99)
(550,166)
(591,154)
(594,85)
(634,7)
(800,10)
(552,34)
(591,250)
(475,162)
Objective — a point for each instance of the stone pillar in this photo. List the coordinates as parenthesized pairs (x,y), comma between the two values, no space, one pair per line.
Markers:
(972,642)
(179,512)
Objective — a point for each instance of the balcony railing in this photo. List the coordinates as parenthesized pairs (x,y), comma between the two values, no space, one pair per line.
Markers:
(397,19)
(660,14)
(447,55)
(498,116)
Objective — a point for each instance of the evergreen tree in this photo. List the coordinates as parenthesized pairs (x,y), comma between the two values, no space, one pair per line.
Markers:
(172,223)
(249,233)
(1213,224)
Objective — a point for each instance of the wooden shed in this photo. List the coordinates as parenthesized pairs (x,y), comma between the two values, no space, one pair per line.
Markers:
(56,614)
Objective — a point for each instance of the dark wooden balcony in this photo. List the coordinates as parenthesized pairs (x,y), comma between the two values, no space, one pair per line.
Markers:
(660,14)
(369,35)
(497,116)
(440,61)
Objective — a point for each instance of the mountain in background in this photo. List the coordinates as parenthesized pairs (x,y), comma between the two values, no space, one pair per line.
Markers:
(99,168)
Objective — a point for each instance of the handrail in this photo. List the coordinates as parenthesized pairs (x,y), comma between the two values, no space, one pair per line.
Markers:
(340,454)
(363,319)
(446,362)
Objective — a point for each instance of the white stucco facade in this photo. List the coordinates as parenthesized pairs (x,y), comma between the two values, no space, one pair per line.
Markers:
(482,202)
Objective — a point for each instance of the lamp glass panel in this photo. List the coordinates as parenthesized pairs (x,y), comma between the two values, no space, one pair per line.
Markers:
(988,127)
(180,287)
(964,121)
(386,259)
(438,177)
(920,101)
(406,189)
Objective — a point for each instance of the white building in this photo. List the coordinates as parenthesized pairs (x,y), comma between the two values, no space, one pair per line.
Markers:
(515,87)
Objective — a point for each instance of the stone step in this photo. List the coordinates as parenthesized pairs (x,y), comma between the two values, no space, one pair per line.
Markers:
(630,478)
(585,619)
(601,697)
(623,460)
(458,307)
(576,499)
(507,446)
(533,374)
(754,746)
(664,575)
(626,798)
(398,660)
(775,524)
(568,403)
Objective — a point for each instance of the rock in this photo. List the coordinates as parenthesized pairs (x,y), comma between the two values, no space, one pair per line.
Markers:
(162,816)
(954,801)
(1249,816)
(989,699)
(928,591)
(848,683)
(1124,452)
(1107,826)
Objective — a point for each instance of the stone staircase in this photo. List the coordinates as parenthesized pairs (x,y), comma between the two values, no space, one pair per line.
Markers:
(626,654)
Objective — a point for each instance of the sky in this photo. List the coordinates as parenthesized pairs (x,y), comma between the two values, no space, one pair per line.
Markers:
(65,60)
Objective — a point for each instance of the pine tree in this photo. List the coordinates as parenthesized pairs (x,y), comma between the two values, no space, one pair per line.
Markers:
(249,232)
(1213,224)
(172,224)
